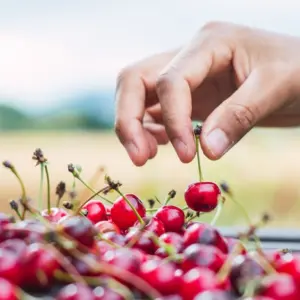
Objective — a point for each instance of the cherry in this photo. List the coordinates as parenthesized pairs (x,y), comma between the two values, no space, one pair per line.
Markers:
(115,238)
(82,267)
(5,219)
(201,233)
(279,287)
(107,226)
(202,196)
(204,256)
(172,217)
(75,292)
(14,246)
(96,211)
(243,269)
(40,265)
(170,297)
(197,280)
(123,215)
(80,228)
(8,291)
(215,295)
(102,247)
(290,265)
(232,243)
(105,293)
(173,239)
(163,276)
(154,225)
(143,242)
(55,214)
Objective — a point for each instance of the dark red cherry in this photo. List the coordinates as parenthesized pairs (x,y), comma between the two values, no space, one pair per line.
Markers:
(202,196)
(107,226)
(5,219)
(244,268)
(171,238)
(154,225)
(40,265)
(102,247)
(204,256)
(11,266)
(232,243)
(141,241)
(115,238)
(83,268)
(8,291)
(75,291)
(96,211)
(202,233)
(105,293)
(290,265)
(163,276)
(80,228)
(15,246)
(123,215)
(172,217)
(197,280)
(55,214)
(279,287)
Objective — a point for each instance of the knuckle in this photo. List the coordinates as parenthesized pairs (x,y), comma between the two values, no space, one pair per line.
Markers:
(244,115)
(165,81)
(124,74)
(212,25)
(119,124)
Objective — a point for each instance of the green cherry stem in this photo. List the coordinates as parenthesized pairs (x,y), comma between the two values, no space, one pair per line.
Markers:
(48,189)
(197,132)
(170,196)
(40,199)
(218,211)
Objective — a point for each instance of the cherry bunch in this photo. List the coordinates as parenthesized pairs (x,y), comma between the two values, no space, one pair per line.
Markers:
(101,249)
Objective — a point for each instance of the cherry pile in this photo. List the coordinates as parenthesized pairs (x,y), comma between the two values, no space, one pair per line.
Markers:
(98,249)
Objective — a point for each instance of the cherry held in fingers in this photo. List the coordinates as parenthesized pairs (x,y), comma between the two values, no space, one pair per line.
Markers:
(123,215)
(202,196)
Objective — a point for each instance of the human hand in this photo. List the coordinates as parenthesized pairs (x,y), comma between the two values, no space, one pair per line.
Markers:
(229,76)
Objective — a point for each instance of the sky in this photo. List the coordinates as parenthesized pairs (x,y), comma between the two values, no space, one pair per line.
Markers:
(50,50)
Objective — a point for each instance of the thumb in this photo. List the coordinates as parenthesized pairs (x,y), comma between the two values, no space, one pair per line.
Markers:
(256,98)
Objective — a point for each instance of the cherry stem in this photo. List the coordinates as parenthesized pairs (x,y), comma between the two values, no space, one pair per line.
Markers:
(197,141)
(90,198)
(109,242)
(40,199)
(140,219)
(92,190)
(242,209)
(218,211)
(48,190)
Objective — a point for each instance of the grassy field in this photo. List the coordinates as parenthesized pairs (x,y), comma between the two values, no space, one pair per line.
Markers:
(263,170)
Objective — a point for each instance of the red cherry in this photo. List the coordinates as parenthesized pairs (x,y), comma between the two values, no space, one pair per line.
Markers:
(8,291)
(104,293)
(173,239)
(103,247)
(123,215)
(232,243)
(164,277)
(75,292)
(172,217)
(5,219)
(197,280)
(115,238)
(204,256)
(107,226)
(11,266)
(202,196)
(55,214)
(290,265)
(108,212)
(279,287)
(202,233)
(96,211)
(80,228)
(215,295)
(39,260)
(154,225)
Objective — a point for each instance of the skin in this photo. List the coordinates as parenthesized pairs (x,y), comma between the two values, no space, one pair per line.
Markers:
(231,77)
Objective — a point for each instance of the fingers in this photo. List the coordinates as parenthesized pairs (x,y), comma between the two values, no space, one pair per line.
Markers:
(257,98)
(174,86)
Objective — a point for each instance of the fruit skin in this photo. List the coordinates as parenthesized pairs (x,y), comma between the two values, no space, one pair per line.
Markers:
(75,292)
(104,293)
(153,225)
(164,277)
(8,291)
(203,256)
(202,196)
(197,280)
(55,214)
(172,217)
(279,287)
(96,211)
(38,259)
(290,265)
(171,238)
(202,233)
(80,228)
(122,214)
(107,226)
(215,295)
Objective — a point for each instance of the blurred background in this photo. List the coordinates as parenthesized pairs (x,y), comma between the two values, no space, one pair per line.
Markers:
(58,65)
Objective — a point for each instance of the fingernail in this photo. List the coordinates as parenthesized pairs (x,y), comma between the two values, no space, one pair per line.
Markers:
(217,142)
(180,147)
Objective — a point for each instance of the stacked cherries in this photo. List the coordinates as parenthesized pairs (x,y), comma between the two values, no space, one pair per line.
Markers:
(97,249)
